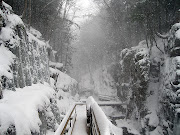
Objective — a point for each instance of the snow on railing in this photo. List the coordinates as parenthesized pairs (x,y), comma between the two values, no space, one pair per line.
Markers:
(99,123)
(63,127)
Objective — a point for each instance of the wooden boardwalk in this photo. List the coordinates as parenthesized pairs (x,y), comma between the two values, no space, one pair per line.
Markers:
(80,124)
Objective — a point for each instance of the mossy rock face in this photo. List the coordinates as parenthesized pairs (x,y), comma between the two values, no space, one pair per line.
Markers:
(134,79)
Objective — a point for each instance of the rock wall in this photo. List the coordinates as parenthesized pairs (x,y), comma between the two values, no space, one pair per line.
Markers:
(171,84)
(30,60)
(150,83)
(134,78)
(24,62)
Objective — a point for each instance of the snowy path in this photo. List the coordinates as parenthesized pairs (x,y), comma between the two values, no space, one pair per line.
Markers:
(80,124)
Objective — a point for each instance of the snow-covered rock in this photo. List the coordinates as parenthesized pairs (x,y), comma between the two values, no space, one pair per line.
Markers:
(150,82)
(32,107)
(28,62)
(22,108)
(63,81)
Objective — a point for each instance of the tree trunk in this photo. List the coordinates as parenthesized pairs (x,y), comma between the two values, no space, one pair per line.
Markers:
(0,3)
(25,9)
(1,94)
(30,13)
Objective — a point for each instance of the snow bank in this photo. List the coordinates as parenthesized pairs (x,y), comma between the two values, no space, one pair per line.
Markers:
(33,38)
(65,82)
(129,125)
(63,123)
(153,119)
(65,87)
(65,101)
(20,108)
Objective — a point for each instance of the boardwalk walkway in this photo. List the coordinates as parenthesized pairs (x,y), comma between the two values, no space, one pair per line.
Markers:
(80,124)
(75,121)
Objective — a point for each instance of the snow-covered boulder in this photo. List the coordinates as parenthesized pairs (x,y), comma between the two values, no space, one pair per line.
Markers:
(28,111)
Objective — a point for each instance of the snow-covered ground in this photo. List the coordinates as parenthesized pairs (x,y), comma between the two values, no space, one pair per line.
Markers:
(130,125)
(20,108)
(64,81)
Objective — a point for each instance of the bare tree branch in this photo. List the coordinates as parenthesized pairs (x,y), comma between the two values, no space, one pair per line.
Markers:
(47,5)
(162,36)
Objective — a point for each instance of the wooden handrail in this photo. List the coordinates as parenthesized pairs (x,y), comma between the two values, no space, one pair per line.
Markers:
(73,122)
(96,125)
(96,118)
(68,120)
(62,127)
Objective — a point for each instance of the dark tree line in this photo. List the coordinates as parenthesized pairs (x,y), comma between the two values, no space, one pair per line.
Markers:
(156,16)
(50,17)
(127,22)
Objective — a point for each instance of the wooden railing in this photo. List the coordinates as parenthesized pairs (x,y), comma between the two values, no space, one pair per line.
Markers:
(67,124)
(94,117)
(97,121)
(107,97)
(94,129)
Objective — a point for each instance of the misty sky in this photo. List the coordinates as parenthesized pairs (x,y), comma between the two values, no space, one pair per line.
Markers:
(86,7)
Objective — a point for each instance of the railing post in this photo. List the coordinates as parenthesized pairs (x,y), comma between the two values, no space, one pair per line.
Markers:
(70,123)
